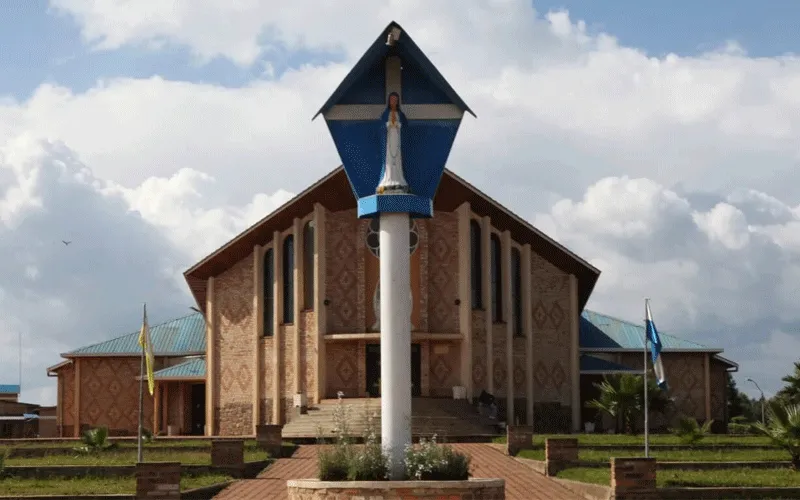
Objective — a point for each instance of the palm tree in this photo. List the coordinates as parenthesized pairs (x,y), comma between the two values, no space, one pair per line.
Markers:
(784,429)
(791,392)
(622,397)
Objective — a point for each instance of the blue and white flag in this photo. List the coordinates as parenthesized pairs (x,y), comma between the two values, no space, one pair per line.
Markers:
(655,347)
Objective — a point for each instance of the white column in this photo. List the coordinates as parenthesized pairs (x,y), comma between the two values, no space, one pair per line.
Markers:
(395,279)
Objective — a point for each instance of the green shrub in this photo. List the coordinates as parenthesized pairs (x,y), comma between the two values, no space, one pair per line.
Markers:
(434,462)
(740,428)
(333,463)
(690,432)
(95,440)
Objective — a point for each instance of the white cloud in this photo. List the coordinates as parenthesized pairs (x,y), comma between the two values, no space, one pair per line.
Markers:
(609,145)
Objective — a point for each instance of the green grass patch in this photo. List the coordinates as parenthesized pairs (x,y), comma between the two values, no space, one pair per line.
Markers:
(638,439)
(128,457)
(94,485)
(705,478)
(768,455)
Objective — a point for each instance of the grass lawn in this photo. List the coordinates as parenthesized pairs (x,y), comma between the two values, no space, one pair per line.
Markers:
(93,485)
(625,439)
(776,455)
(706,478)
(126,456)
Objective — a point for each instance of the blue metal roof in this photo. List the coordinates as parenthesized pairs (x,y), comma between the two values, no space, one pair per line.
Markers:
(598,365)
(195,367)
(599,331)
(9,388)
(365,69)
(182,336)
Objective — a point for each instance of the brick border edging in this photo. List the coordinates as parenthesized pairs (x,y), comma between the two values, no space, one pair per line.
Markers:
(476,488)
(71,497)
(691,465)
(250,470)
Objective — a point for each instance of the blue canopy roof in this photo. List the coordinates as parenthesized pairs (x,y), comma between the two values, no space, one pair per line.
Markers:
(599,331)
(9,388)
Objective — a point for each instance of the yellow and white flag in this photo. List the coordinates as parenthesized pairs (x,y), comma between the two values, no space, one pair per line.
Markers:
(147,346)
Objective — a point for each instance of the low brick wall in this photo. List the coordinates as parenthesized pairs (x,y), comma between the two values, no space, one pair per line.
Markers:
(727,493)
(37,452)
(159,481)
(248,470)
(228,455)
(633,479)
(269,438)
(687,465)
(560,454)
(473,489)
(518,438)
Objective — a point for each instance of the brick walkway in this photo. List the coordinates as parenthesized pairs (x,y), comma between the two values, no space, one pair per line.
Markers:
(522,483)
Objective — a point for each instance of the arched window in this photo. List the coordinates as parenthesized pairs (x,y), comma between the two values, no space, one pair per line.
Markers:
(516,291)
(497,282)
(308,266)
(288,279)
(475,264)
(269,293)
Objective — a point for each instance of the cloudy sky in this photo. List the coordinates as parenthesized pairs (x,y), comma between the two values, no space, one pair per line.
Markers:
(661,144)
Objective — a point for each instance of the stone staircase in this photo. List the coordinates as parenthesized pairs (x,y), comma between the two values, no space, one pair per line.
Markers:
(451,420)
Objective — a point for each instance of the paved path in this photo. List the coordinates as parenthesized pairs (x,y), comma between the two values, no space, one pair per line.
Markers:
(522,483)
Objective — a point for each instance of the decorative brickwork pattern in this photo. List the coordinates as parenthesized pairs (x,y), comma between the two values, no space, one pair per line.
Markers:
(551,344)
(266,373)
(110,395)
(499,365)
(287,370)
(342,240)
(480,377)
(342,369)
(158,480)
(66,406)
(559,454)
(311,352)
(420,317)
(442,275)
(444,361)
(633,479)
(234,345)
(519,373)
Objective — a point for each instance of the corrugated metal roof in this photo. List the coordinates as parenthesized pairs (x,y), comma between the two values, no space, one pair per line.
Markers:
(9,388)
(599,331)
(597,365)
(195,367)
(182,336)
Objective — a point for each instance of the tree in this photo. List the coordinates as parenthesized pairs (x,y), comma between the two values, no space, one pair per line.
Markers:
(784,429)
(737,401)
(622,397)
(790,394)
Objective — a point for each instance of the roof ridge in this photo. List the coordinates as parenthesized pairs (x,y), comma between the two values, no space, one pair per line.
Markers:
(637,325)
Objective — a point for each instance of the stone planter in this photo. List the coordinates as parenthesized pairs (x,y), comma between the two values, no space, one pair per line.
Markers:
(472,489)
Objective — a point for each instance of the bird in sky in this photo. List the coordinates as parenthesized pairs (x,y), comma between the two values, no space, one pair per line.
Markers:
(66,243)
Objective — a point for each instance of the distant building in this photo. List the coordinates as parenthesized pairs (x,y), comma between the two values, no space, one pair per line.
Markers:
(9,392)
(293,309)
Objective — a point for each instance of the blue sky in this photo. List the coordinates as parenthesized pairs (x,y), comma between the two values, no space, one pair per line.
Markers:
(39,45)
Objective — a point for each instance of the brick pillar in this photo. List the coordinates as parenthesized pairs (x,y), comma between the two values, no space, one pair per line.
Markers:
(633,478)
(268,438)
(228,454)
(158,480)
(559,454)
(519,437)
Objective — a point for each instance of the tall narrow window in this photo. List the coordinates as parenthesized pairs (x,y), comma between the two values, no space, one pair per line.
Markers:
(269,292)
(475,264)
(308,265)
(288,279)
(516,291)
(497,282)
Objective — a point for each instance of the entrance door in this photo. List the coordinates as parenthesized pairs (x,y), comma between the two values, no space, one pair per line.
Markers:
(373,370)
(198,415)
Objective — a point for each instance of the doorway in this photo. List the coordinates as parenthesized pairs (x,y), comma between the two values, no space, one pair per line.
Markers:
(373,370)
(198,411)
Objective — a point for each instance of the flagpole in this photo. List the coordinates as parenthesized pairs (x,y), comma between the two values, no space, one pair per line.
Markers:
(644,376)
(141,399)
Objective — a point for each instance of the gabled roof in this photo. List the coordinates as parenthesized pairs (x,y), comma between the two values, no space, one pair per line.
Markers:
(591,365)
(51,370)
(601,332)
(334,192)
(178,337)
(9,388)
(406,49)
(191,369)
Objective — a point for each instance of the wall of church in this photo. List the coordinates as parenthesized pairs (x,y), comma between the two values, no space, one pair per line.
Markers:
(66,401)
(234,345)
(345,286)
(552,373)
(441,250)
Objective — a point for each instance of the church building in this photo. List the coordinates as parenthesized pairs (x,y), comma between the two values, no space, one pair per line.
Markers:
(289,316)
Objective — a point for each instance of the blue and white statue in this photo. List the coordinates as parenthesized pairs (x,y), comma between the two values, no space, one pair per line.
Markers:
(393,179)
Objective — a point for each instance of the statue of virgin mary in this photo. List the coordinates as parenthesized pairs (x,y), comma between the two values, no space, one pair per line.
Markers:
(393,180)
